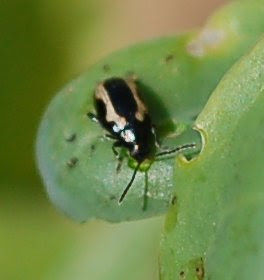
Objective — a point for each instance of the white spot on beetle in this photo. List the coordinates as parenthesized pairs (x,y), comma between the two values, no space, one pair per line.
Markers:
(128,135)
(118,127)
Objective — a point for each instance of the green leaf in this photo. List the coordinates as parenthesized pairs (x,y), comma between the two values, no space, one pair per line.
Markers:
(215,228)
(175,76)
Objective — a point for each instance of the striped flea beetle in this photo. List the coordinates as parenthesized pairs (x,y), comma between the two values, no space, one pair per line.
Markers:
(121,110)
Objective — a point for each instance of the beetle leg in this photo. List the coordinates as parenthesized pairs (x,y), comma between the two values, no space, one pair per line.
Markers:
(117,155)
(157,142)
(145,196)
(119,164)
(92,117)
(114,146)
(109,137)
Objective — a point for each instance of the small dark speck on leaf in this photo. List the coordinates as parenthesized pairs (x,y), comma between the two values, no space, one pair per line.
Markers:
(112,197)
(169,58)
(200,270)
(106,67)
(71,137)
(174,200)
(72,162)
(92,149)
(182,274)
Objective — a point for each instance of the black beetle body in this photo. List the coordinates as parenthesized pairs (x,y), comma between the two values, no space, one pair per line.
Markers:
(121,111)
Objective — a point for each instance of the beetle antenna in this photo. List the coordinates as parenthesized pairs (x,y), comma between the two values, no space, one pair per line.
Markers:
(129,184)
(177,149)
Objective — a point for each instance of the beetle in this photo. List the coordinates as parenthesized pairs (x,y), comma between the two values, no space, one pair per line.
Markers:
(121,111)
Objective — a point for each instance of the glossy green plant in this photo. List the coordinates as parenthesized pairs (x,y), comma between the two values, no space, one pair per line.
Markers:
(176,76)
(215,227)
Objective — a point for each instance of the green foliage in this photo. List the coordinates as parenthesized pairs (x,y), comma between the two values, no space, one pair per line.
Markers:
(217,218)
(90,188)
(214,226)
(176,76)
